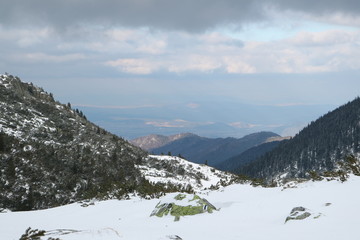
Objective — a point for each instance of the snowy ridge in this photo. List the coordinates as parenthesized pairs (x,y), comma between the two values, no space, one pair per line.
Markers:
(179,171)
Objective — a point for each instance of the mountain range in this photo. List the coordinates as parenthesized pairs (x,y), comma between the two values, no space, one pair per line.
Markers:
(51,155)
(194,148)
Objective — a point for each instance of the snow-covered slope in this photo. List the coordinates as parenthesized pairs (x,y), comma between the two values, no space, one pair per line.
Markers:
(177,171)
(246,212)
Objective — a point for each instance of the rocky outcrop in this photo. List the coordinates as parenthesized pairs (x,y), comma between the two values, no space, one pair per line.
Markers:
(301,213)
(182,205)
(298,213)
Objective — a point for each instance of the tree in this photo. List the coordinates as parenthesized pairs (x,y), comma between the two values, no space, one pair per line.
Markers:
(2,142)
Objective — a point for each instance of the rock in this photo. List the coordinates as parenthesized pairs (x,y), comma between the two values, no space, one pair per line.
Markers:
(298,213)
(174,237)
(183,205)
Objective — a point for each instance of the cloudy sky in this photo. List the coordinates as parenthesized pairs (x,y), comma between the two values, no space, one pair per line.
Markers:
(130,60)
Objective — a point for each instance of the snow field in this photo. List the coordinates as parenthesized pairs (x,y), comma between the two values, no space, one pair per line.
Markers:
(245,212)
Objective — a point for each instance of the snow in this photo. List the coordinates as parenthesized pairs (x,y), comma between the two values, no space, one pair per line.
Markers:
(246,212)
(207,176)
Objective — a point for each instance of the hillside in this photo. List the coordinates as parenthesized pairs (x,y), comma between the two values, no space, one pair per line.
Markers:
(212,150)
(51,155)
(318,147)
(185,175)
(156,141)
(234,163)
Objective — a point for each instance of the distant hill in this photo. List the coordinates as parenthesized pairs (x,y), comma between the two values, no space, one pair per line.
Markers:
(318,147)
(234,163)
(212,150)
(155,141)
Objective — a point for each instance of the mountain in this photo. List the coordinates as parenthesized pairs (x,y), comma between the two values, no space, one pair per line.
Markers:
(50,155)
(318,147)
(234,163)
(155,141)
(212,150)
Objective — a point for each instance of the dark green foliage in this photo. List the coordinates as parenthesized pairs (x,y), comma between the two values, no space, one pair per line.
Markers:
(315,176)
(2,142)
(32,234)
(316,148)
(350,165)
(234,163)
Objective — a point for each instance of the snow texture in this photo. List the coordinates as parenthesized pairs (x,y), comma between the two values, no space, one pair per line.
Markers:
(200,177)
(246,212)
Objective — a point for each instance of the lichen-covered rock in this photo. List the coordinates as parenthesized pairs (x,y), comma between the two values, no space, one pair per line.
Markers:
(298,213)
(182,205)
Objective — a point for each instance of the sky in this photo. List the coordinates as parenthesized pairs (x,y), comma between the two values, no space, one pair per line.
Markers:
(138,67)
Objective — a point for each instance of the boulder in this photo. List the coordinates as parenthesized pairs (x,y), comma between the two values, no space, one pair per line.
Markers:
(182,205)
(298,213)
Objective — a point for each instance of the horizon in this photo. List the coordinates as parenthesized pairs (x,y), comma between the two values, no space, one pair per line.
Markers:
(227,69)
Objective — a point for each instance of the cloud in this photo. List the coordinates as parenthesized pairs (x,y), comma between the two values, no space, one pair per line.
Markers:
(188,15)
(42,57)
(195,62)
(26,37)
(177,123)
(180,15)
(305,52)
(319,7)
(243,125)
(193,105)
(134,66)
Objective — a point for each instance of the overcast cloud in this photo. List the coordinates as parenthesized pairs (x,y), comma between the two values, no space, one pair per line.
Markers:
(157,52)
(186,15)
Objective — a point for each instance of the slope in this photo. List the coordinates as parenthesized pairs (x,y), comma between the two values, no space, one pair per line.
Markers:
(234,163)
(51,155)
(212,150)
(245,213)
(155,141)
(316,148)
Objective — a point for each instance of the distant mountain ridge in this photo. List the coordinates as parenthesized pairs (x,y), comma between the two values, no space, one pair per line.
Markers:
(318,147)
(155,141)
(211,150)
